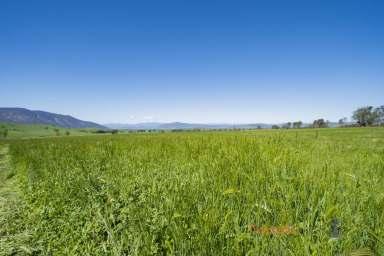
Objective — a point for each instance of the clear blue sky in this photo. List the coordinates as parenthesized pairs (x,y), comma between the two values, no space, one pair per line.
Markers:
(192,61)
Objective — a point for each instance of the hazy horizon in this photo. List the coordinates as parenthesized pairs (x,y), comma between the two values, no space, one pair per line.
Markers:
(349,119)
(195,62)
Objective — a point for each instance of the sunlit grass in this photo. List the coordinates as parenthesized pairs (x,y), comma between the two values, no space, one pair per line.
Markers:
(199,193)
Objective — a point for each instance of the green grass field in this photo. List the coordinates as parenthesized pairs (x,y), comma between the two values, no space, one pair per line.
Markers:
(22,131)
(202,193)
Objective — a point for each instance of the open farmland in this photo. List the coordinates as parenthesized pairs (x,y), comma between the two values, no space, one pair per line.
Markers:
(25,131)
(293,192)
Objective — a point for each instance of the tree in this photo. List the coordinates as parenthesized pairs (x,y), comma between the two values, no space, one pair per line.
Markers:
(57,131)
(67,133)
(297,124)
(366,116)
(320,123)
(115,131)
(275,126)
(5,133)
(380,113)
(286,126)
(342,121)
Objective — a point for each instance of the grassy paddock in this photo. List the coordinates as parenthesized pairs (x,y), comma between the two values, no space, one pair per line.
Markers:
(25,131)
(205,193)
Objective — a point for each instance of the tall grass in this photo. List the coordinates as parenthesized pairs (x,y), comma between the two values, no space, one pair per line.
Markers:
(199,193)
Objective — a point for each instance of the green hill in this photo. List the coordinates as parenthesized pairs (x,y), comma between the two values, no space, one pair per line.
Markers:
(17,131)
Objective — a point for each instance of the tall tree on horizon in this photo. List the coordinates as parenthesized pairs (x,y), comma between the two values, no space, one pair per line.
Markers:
(320,123)
(297,124)
(366,116)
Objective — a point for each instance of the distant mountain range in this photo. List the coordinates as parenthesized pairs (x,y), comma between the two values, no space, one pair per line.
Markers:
(190,126)
(184,126)
(26,116)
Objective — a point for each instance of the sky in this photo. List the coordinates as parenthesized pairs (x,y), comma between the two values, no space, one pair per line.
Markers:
(192,61)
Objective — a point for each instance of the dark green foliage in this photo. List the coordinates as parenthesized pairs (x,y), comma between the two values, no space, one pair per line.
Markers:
(367,116)
(320,123)
(297,124)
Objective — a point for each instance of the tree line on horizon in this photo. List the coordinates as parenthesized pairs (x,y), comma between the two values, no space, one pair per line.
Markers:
(363,116)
